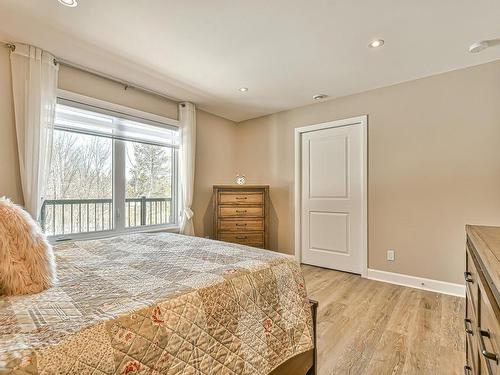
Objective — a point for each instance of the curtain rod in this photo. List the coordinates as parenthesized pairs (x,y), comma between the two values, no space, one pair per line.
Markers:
(125,84)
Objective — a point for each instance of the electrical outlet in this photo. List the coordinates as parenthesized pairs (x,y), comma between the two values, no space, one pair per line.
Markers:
(391,255)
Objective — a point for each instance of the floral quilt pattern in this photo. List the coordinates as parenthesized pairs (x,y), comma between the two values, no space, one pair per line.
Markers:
(159,304)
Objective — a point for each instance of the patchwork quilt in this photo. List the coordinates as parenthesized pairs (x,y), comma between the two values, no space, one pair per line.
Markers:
(159,304)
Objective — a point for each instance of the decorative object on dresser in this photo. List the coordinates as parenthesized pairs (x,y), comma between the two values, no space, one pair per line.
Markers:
(241,214)
(482,312)
(241,179)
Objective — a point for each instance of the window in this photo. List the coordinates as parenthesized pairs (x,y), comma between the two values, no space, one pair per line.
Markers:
(110,172)
(148,184)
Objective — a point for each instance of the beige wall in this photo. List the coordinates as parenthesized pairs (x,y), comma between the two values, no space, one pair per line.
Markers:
(215,164)
(10,182)
(434,165)
(215,135)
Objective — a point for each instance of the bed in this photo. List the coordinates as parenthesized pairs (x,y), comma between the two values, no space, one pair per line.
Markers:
(162,304)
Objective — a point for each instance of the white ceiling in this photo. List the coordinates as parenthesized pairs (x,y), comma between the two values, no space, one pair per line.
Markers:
(284,51)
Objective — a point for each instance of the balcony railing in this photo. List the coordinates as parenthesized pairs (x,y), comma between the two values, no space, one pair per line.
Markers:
(67,216)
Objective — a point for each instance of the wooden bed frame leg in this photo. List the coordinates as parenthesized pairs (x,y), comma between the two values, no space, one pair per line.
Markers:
(314,310)
(302,364)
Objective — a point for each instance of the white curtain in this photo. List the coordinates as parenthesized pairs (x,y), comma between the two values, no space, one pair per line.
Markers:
(187,120)
(34,87)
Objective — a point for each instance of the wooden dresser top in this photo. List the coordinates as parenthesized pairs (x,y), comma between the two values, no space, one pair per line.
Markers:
(486,241)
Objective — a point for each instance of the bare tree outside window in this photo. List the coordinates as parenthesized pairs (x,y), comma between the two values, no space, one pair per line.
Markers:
(149,184)
(81,167)
(79,197)
(148,170)
(79,194)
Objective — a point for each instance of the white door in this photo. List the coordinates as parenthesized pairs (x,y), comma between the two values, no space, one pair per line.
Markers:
(333,213)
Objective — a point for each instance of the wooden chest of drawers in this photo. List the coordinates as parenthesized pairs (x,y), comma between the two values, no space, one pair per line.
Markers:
(240,214)
(482,320)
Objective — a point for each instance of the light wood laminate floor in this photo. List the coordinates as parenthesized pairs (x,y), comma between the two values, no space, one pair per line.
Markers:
(376,328)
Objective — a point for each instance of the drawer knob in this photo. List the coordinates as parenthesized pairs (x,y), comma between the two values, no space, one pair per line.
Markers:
(241,225)
(241,237)
(467,370)
(467,323)
(489,355)
(468,277)
(241,198)
(241,211)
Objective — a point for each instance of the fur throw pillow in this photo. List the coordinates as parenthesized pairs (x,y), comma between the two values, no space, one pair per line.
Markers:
(27,262)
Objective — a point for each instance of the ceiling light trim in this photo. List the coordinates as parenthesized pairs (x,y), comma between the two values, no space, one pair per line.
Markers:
(68,3)
(376,43)
(320,96)
(479,46)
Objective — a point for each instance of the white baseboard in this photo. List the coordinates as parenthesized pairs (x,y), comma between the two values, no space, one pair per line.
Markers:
(417,282)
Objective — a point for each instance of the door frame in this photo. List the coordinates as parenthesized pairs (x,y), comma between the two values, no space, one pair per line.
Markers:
(360,121)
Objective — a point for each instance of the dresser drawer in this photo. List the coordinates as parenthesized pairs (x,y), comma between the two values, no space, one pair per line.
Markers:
(241,225)
(251,239)
(243,211)
(241,198)
(488,334)
(470,368)
(471,280)
(470,326)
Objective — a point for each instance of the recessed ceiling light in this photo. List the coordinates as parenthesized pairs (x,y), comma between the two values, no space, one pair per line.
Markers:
(478,46)
(68,3)
(243,89)
(320,96)
(376,43)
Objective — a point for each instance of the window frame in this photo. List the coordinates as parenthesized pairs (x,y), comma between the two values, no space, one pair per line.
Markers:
(119,175)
